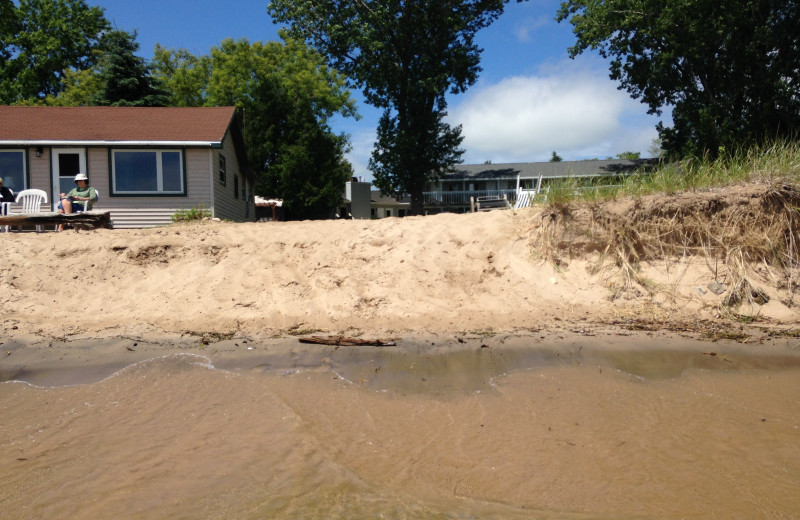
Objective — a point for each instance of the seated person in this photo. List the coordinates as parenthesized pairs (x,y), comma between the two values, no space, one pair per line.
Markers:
(78,199)
(6,195)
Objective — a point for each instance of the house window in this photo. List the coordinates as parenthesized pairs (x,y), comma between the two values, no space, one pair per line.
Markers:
(236,186)
(145,172)
(12,169)
(223,171)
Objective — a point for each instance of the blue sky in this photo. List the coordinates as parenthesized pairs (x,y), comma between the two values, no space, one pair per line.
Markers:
(529,101)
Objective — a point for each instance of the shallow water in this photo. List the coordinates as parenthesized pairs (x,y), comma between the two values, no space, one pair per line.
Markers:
(384,433)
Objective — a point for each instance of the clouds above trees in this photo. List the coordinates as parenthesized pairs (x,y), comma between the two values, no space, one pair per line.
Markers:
(577,111)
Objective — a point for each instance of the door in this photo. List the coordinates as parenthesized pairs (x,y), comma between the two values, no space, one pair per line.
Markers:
(67,162)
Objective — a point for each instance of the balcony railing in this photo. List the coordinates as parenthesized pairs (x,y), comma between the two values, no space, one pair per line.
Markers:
(461,198)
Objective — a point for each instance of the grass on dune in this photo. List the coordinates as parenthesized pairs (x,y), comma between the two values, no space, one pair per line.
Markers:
(683,210)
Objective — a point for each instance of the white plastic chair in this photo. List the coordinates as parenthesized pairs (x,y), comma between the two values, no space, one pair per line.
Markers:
(31,201)
(89,205)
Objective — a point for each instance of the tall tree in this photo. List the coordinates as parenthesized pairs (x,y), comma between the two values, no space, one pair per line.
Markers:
(41,39)
(125,78)
(730,69)
(288,95)
(405,56)
(184,75)
(118,78)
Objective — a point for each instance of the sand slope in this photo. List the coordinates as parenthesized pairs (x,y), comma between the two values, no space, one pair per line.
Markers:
(448,272)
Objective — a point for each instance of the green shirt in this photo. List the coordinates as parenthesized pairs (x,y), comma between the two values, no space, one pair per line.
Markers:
(88,192)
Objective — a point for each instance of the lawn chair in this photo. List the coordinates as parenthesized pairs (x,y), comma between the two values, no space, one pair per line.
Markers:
(87,204)
(31,201)
(489,202)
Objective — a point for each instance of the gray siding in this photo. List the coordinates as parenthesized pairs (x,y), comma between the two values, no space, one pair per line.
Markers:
(137,212)
(227,205)
(202,176)
(39,175)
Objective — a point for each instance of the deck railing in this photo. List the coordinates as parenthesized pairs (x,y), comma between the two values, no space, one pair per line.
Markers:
(461,198)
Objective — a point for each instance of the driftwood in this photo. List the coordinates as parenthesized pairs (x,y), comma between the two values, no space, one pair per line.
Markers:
(86,219)
(347,342)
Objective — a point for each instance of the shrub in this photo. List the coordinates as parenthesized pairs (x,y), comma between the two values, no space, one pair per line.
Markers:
(188,215)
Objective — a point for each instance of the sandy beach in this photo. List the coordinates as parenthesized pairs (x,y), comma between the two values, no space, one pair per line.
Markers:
(158,373)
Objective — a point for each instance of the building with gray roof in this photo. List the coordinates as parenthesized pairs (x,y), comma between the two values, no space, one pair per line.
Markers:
(453,191)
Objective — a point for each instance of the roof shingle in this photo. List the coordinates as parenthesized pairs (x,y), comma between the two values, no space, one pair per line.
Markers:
(122,124)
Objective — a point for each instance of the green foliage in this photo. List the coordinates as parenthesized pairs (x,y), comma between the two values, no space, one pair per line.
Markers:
(191,214)
(729,69)
(434,143)
(405,56)
(125,77)
(630,156)
(773,163)
(311,170)
(556,158)
(184,75)
(119,78)
(287,95)
(80,88)
(40,40)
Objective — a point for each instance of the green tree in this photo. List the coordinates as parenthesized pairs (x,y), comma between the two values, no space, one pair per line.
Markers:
(288,95)
(119,78)
(79,88)
(41,40)
(630,156)
(728,68)
(556,158)
(125,78)
(184,75)
(405,56)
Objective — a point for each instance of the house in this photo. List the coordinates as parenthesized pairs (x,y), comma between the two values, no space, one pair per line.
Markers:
(453,191)
(146,163)
(383,206)
(362,202)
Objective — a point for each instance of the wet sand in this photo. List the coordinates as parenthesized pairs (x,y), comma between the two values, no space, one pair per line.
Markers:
(555,426)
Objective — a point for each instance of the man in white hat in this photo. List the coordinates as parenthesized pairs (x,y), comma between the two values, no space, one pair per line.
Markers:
(79,198)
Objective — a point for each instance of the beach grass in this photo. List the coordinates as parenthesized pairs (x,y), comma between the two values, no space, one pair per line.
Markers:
(770,163)
(685,210)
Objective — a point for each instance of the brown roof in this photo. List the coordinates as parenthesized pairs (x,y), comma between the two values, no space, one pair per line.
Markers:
(25,124)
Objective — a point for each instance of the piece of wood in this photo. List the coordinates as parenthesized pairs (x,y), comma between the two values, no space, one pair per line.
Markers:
(86,219)
(347,342)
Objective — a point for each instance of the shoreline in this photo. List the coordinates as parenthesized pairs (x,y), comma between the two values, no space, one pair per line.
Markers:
(56,362)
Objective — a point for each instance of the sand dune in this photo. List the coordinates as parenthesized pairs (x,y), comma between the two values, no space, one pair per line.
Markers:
(444,273)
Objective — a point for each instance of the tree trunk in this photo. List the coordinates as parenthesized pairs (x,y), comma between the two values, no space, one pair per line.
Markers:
(417,202)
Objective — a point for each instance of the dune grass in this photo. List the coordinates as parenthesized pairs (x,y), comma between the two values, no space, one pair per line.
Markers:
(733,235)
(776,162)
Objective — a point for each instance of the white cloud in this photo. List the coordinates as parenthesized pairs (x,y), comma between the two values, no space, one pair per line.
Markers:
(530,25)
(570,107)
(574,110)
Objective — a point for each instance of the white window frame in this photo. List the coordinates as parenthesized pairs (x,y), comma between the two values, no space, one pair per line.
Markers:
(159,173)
